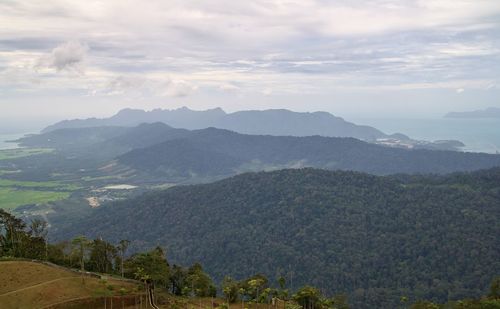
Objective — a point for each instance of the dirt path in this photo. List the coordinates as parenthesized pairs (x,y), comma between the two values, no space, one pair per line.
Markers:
(37,285)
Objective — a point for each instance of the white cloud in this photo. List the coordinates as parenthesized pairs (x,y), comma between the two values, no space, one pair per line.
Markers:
(67,56)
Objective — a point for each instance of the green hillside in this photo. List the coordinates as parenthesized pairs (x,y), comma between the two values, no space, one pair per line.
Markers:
(375,238)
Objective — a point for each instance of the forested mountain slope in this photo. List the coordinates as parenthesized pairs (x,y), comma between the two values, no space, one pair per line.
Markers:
(376,238)
(160,151)
(232,153)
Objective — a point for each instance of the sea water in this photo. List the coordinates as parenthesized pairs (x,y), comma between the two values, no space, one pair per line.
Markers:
(4,138)
(478,135)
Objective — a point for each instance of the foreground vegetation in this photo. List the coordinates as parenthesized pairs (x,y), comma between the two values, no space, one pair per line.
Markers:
(151,268)
(19,240)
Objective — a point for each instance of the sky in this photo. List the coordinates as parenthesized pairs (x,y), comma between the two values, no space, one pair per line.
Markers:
(353,58)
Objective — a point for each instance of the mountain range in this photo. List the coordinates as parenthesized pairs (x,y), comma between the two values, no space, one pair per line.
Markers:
(273,122)
(162,152)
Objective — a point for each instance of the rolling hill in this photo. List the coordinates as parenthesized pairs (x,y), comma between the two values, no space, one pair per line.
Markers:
(376,238)
(216,152)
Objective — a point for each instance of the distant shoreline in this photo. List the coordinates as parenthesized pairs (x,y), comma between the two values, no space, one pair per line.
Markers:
(5,139)
(489,113)
(478,134)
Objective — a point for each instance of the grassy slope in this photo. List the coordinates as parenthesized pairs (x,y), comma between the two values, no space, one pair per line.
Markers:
(34,285)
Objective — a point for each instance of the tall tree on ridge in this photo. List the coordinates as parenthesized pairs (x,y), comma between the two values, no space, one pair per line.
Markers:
(82,245)
(122,246)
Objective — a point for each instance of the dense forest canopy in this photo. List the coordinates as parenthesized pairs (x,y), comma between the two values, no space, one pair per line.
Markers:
(375,238)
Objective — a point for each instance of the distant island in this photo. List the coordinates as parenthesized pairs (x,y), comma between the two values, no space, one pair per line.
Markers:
(490,112)
(277,122)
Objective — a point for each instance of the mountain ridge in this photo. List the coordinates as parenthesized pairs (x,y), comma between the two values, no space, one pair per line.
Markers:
(272,121)
(245,152)
(156,149)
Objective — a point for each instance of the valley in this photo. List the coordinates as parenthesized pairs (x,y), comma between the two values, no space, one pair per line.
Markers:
(274,154)
(335,212)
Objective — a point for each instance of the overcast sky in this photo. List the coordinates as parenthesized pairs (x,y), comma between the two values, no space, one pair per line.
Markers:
(354,58)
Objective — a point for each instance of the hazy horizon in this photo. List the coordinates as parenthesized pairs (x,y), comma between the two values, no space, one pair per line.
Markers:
(34,125)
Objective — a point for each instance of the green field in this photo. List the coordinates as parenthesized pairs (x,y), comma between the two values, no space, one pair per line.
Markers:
(58,186)
(11,198)
(7,154)
(15,193)
(6,172)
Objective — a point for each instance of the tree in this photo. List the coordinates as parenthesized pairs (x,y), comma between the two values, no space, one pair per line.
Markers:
(199,282)
(177,280)
(38,228)
(308,297)
(153,264)
(282,292)
(495,288)
(101,256)
(254,286)
(122,247)
(38,231)
(13,234)
(230,289)
(81,245)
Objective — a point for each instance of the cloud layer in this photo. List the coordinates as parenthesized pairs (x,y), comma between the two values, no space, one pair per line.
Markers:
(224,52)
